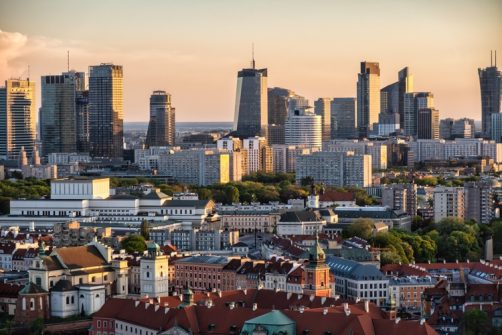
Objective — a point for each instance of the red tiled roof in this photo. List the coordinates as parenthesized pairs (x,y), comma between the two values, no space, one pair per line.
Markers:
(9,290)
(330,195)
(81,257)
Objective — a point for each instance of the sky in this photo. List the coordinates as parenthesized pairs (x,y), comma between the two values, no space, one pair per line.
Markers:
(193,49)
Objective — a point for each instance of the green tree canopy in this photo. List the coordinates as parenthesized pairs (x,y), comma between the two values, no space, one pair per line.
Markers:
(361,228)
(134,243)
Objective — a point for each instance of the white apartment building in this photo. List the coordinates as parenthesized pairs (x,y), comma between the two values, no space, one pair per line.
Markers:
(448,202)
(377,150)
(303,127)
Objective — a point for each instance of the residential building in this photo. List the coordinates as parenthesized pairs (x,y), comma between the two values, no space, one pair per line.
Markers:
(322,107)
(377,150)
(200,273)
(496,127)
(368,97)
(106,110)
(478,202)
(258,155)
(448,203)
(401,197)
(407,291)
(17,117)
(161,128)
(251,103)
(490,82)
(428,124)
(58,113)
(284,156)
(303,127)
(335,168)
(344,120)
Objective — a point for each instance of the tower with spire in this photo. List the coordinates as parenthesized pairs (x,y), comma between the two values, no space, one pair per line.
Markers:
(153,268)
(317,276)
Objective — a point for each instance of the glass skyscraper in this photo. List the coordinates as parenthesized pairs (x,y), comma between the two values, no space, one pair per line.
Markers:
(17,118)
(106,111)
(490,81)
(58,113)
(251,103)
(161,128)
(368,97)
(343,118)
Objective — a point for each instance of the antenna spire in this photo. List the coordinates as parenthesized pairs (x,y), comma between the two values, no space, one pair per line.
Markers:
(491,57)
(68,60)
(495,58)
(253,63)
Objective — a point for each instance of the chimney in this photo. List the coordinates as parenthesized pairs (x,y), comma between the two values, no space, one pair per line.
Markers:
(231,305)
(397,320)
(245,291)
(347,312)
(312,297)
(219,293)
(157,307)
(367,306)
(255,306)
(136,303)
(301,309)
(147,305)
(345,306)
(166,309)
(422,321)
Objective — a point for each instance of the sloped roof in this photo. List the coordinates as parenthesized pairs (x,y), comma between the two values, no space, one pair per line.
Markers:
(155,195)
(63,285)
(274,317)
(301,216)
(81,257)
(32,288)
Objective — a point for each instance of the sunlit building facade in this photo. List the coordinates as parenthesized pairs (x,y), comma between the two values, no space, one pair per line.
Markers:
(161,128)
(368,97)
(490,82)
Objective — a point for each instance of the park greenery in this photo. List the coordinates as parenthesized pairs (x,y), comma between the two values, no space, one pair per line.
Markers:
(430,180)
(134,243)
(29,188)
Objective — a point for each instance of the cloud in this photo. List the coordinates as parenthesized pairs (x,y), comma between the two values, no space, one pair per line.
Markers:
(11,48)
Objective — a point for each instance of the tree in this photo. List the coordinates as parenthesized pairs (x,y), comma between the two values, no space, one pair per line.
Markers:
(361,228)
(204,193)
(497,236)
(232,194)
(134,243)
(145,230)
(476,322)
(307,181)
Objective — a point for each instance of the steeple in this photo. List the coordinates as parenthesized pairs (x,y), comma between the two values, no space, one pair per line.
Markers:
(41,248)
(188,298)
(316,254)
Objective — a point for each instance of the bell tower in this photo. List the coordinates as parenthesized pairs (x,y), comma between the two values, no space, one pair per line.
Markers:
(153,278)
(317,272)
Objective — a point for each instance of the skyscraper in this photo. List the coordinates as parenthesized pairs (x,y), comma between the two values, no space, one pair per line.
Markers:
(413,102)
(304,127)
(106,112)
(392,96)
(17,117)
(343,118)
(490,82)
(322,107)
(368,97)
(83,131)
(277,113)
(161,129)
(58,113)
(251,103)
(428,124)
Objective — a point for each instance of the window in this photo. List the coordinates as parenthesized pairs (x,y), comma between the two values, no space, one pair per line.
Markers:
(67,300)
(93,279)
(99,323)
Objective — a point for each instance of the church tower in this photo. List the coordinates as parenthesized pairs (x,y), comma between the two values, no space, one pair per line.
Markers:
(153,278)
(317,272)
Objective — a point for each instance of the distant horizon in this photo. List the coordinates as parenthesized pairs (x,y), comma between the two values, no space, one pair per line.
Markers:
(196,53)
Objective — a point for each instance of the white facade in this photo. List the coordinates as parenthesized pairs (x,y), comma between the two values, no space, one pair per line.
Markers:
(66,189)
(299,228)
(252,147)
(154,277)
(91,298)
(65,303)
(303,128)
(448,202)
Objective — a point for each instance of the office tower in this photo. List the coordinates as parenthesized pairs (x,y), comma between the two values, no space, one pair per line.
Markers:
(413,102)
(389,99)
(388,123)
(322,107)
(405,84)
(83,131)
(303,127)
(448,202)
(343,118)
(428,124)
(277,113)
(496,127)
(106,112)
(401,197)
(368,97)
(161,128)
(335,168)
(251,103)
(258,155)
(490,82)
(17,117)
(58,113)
(478,202)
(446,128)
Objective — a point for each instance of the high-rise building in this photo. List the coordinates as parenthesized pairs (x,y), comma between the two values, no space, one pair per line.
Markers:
(106,112)
(17,117)
(478,202)
(251,103)
(401,197)
(428,124)
(281,102)
(284,156)
(343,118)
(392,96)
(59,112)
(161,128)
(496,127)
(405,83)
(258,155)
(368,97)
(303,127)
(388,123)
(335,168)
(413,102)
(490,82)
(448,202)
(322,107)
(83,128)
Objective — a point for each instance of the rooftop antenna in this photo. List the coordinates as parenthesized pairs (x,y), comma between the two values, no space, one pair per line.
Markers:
(253,63)
(495,58)
(491,57)
(68,60)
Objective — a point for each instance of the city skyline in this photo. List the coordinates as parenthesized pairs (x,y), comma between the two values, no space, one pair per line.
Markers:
(445,45)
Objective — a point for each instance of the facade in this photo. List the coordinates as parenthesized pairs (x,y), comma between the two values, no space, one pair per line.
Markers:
(17,117)
(154,273)
(368,97)
(402,197)
(322,107)
(335,168)
(248,221)
(428,124)
(303,127)
(496,127)
(278,104)
(258,155)
(58,113)
(161,128)
(413,103)
(388,123)
(317,272)
(479,200)
(83,121)
(251,103)
(377,150)
(106,111)
(306,222)
(407,291)
(448,203)
(490,82)
(343,118)
(450,129)
(284,156)
(200,273)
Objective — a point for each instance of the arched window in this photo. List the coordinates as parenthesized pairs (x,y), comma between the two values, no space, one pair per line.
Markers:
(67,300)
(147,274)
(72,299)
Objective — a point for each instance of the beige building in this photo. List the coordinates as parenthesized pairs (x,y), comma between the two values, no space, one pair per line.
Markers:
(259,155)
(248,221)
(71,234)
(448,202)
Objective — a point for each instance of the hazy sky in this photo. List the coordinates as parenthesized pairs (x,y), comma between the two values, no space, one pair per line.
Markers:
(193,49)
